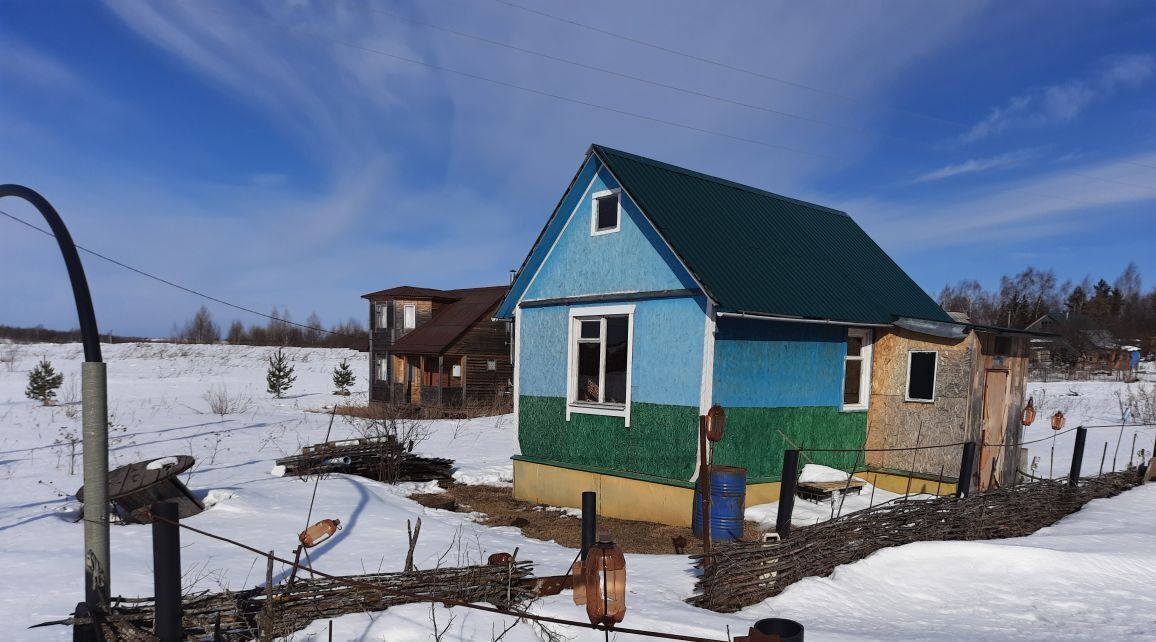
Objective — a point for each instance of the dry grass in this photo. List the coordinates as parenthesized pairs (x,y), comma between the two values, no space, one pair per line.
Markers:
(500,508)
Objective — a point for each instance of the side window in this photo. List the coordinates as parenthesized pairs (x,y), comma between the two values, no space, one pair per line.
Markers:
(857,370)
(921,370)
(605,212)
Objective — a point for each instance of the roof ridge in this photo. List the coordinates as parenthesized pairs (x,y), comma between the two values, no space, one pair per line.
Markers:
(716,179)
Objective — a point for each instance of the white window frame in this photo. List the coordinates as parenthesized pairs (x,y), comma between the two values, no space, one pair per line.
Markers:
(586,407)
(594,231)
(409,316)
(381,372)
(381,318)
(864,372)
(934,377)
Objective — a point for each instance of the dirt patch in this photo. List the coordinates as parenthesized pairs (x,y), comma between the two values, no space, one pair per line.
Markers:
(499,508)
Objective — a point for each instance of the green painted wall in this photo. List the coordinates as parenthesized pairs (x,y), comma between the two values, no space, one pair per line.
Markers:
(752,438)
(662,440)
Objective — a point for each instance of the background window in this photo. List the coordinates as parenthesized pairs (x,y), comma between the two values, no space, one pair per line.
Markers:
(409,321)
(382,318)
(606,212)
(491,365)
(921,375)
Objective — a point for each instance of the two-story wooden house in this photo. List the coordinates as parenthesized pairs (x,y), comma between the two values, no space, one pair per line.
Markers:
(433,347)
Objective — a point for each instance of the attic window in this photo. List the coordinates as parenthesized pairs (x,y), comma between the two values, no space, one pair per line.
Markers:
(921,371)
(409,314)
(605,212)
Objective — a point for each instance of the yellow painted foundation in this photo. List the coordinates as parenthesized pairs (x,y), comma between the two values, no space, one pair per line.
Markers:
(617,496)
(898,483)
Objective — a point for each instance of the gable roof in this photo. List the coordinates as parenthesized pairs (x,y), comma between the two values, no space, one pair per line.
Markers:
(411,292)
(468,306)
(757,252)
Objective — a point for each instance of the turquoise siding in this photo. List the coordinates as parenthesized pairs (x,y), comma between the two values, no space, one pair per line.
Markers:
(666,356)
(633,259)
(767,364)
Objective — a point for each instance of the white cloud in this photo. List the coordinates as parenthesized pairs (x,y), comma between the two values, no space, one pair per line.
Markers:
(1002,161)
(1065,101)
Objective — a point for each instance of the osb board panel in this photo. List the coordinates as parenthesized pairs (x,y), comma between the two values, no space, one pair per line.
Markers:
(755,438)
(894,422)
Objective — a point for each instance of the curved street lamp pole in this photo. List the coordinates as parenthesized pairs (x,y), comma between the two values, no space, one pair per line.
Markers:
(94,394)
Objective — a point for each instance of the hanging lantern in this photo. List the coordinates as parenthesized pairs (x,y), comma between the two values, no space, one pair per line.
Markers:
(716,421)
(1029,413)
(605,582)
(1058,420)
(319,532)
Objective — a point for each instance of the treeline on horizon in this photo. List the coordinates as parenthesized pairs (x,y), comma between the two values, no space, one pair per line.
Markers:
(280,330)
(1119,306)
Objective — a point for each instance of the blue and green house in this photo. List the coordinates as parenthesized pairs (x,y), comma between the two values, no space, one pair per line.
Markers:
(654,292)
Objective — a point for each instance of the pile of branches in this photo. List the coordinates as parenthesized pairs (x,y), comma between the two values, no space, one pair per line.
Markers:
(266,613)
(381,458)
(743,573)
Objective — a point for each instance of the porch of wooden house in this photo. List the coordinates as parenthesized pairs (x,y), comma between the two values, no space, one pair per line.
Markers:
(432,380)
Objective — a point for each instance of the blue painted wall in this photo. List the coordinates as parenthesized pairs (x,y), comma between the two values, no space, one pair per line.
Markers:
(667,352)
(768,364)
(633,259)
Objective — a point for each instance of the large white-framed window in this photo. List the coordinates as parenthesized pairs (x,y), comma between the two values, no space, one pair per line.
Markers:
(409,316)
(381,316)
(382,369)
(605,212)
(922,368)
(857,370)
(598,369)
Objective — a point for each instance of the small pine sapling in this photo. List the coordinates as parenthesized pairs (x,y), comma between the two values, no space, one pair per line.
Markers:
(343,378)
(43,381)
(279,377)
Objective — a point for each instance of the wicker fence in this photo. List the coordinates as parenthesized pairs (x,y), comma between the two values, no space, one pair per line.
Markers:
(743,573)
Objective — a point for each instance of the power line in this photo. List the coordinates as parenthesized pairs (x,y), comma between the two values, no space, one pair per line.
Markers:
(177,285)
(757,74)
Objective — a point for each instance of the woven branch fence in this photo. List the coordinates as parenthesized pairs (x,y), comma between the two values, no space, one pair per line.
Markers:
(745,573)
(249,615)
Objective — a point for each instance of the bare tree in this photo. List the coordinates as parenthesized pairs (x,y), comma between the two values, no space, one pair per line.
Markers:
(200,329)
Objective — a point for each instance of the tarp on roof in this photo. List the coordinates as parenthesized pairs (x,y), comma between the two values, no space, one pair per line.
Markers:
(754,251)
(451,321)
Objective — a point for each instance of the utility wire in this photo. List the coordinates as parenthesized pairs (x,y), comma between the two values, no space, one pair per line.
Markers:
(750,72)
(177,285)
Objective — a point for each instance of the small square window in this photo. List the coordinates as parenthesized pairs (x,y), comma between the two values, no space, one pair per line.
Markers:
(921,366)
(491,365)
(605,212)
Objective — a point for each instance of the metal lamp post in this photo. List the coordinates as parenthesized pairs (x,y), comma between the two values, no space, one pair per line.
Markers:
(94,393)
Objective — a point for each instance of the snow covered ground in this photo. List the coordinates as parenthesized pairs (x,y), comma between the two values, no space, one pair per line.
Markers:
(1087,577)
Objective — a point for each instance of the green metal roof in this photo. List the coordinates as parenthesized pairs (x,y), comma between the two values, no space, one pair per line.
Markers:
(758,252)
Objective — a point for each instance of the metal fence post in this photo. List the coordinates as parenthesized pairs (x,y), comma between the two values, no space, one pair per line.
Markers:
(963,485)
(167,572)
(589,520)
(788,484)
(1077,456)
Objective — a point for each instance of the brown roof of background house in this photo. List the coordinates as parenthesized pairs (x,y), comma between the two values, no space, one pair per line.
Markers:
(452,320)
(411,292)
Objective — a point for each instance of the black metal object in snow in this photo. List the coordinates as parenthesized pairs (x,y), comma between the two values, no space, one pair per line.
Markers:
(87,627)
(790,484)
(89,334)
(963,486)
(589,520)
(167,572)
(134,488)
(1077,456)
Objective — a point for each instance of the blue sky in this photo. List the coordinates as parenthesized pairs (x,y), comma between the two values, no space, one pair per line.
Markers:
(297,154)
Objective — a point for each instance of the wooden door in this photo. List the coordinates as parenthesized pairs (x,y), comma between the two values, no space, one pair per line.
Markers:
(994,430)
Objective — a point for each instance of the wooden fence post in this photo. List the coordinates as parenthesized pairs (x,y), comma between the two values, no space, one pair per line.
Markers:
(167,572)
(1077,456)
(788,484)
(963,486)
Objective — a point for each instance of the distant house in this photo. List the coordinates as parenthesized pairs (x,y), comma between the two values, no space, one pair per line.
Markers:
(654,292)
(438,347)
(1077,341)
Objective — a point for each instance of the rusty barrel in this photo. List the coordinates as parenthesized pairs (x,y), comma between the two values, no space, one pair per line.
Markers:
(728,494)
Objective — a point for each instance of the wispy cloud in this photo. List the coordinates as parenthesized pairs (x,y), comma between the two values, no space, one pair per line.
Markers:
(1064,101)
(1002,161)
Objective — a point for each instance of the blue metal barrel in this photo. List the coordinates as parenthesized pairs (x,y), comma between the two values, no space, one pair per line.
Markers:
(728,493)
